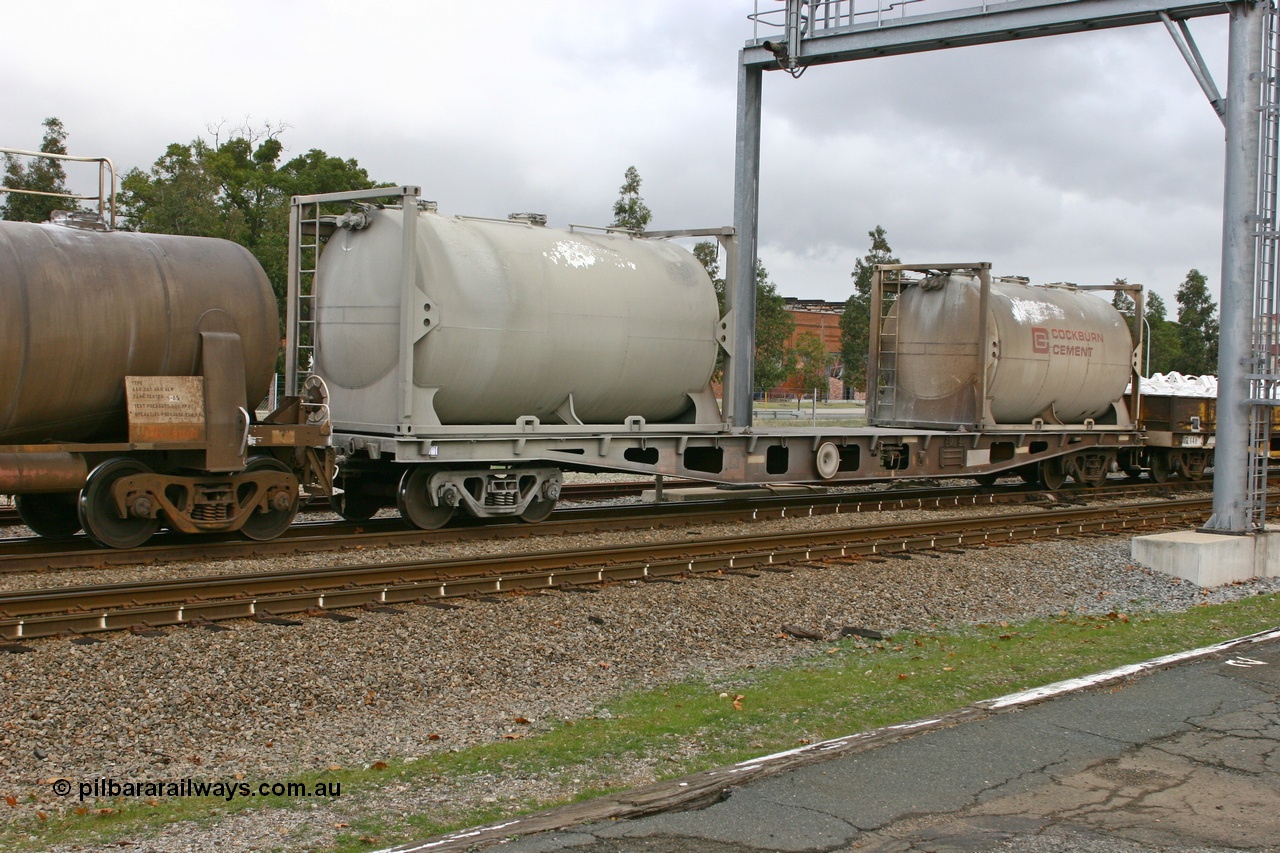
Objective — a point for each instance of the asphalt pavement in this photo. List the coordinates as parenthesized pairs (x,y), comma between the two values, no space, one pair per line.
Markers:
(1179,754)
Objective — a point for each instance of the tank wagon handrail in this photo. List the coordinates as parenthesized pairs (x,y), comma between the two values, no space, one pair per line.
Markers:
(358,195)
(106,198)
(605,229)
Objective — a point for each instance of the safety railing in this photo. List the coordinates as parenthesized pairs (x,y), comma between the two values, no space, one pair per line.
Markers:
(814,17)
(107,182)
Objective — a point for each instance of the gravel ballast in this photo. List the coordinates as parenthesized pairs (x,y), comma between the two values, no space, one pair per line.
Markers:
(263,702)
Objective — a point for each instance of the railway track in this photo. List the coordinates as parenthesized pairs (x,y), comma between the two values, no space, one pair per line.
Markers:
(35,554)
(273,595)
(572,492)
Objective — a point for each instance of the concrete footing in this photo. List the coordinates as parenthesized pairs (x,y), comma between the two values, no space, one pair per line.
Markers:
(1210,559)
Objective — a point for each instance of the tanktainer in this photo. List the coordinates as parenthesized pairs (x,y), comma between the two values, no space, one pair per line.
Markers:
(511,319)
(959,348)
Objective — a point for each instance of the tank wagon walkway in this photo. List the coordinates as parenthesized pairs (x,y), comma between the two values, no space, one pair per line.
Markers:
(1185,755)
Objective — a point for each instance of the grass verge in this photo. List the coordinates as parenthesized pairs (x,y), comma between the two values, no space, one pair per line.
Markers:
(840,688)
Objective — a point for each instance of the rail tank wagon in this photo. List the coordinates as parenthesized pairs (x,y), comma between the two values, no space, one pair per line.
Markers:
(1051,354)
(511,319)
(131,366)
(82,309)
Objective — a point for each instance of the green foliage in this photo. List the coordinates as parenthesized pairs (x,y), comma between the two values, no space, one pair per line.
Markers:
(774,323)
(708,254)
(630,211)
(842,687)
(811,363)
(774,326)
(1164,346)
(1198,326)
(39,175)
(855,322)
(237,190)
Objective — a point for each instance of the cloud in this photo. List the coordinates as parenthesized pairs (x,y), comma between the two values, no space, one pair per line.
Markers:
(1081,157)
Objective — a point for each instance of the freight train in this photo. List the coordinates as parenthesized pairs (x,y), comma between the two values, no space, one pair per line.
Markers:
(448,364)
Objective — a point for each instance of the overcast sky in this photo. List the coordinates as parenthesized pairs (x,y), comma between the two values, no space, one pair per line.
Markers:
(1079,158)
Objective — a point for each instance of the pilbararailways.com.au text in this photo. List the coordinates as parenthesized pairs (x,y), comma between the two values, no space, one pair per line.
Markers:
(227,790)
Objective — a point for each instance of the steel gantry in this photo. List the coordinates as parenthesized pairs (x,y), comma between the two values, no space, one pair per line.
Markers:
(794,34)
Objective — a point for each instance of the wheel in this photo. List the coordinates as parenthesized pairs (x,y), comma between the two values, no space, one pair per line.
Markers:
(986,479)
(282,506)
(1161,469)
(1051,474)
(415,505)
(537,510)
(53,516)
(97,508)
(355,504)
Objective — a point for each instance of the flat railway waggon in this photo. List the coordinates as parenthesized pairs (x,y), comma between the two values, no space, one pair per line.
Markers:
(473,361)
(447,364)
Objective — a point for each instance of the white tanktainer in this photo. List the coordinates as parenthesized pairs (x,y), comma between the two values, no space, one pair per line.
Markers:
(470,362)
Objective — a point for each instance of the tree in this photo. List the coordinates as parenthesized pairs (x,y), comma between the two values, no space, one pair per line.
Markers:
(811,363)
(708,254)
(40,175)
(774,326)
(1198,326)
(855,322)
(774,323)
(630,211)
(1164,350)
(235,189)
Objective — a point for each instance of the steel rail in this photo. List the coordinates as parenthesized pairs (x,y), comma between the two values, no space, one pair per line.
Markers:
(34,554)
(46,612)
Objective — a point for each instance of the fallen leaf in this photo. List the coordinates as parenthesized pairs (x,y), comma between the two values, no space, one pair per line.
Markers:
(902,675)
(153,802)
(433,737)
(378,765)
(948,669)
(512,736)
(333,767)
(521,720)
(42,815)
(604,664)
(81,810)
(341,825)
(11,800)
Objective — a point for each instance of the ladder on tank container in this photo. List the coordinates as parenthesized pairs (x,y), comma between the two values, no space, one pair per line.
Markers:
(305,240)
(884,385)
(1264,377)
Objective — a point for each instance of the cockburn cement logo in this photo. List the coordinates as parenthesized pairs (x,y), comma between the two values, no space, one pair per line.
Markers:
(1063,341)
